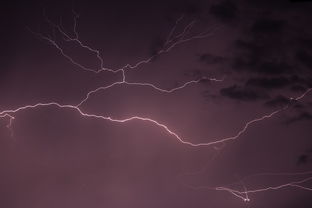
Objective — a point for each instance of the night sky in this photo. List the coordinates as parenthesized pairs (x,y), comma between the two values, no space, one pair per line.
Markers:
(147,104)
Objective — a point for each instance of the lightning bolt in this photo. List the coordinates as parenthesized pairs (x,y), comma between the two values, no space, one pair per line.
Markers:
(186,141)
(173,40)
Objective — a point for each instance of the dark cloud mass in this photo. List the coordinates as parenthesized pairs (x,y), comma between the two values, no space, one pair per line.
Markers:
(225,11)
(298,88)
(278,101)
(304,58)
(269,83)
(242,93)
(211,59)
(260,57)
(267,27)
(300,117)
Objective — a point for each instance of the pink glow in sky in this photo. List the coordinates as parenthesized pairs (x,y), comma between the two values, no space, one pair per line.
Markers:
(164,104)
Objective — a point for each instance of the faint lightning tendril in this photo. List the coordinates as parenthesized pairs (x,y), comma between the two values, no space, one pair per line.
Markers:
(245,193)
(295,184)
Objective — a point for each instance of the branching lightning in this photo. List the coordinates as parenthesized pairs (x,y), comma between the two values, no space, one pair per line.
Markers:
(173,40)
(244,195)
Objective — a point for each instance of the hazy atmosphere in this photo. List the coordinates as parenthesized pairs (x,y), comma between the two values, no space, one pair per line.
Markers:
(149,104)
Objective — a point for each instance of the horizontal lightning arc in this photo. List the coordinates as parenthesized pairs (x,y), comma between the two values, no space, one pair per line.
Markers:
(296,184)
(161,125)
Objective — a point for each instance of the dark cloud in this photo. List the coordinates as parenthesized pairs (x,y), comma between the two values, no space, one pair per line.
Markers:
(192,7)
(276,5)
(156,46)
(305,42)
(225,11)
(271,44)
(309,82)
(211,59)
(305,58)
(298,88)
(304,116)
(254,64)
(242,93)
(269,83)
(267,26)
(274,67)
(297,79)
(260,56)
(247,45)
(278,101)
(299,1)
(186,7)
(302,159)
(10,38)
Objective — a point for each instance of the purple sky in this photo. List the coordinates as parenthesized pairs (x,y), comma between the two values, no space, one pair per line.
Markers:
(52,156)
